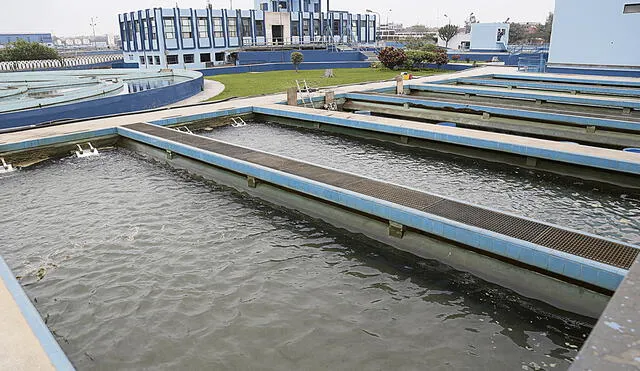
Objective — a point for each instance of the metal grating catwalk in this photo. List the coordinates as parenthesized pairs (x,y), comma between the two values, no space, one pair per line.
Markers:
(575,243)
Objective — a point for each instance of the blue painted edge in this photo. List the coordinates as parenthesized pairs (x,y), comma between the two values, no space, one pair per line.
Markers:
(33,143)
(50,346)
(464,140)
(558,262)
(536,115)
(578,80)
(558,86)
(439,88)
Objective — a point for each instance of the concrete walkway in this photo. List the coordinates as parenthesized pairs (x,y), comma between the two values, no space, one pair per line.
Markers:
(19,347)
(211,90)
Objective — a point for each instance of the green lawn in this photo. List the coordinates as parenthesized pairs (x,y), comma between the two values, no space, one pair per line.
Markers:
(249,84)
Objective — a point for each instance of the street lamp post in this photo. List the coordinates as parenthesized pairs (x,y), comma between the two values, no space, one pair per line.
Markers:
(446,16)
(94,22)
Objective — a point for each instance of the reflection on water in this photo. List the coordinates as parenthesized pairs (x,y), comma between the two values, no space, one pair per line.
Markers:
(135,86)
(612,213)
(136,265)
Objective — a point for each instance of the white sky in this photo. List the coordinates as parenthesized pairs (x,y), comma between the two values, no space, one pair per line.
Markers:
(72,17)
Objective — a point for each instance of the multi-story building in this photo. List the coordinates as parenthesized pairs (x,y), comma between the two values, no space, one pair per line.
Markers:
(200,38)
(42,38)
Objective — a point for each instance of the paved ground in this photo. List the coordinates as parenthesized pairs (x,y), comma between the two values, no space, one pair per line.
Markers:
(19,347)
(211,90)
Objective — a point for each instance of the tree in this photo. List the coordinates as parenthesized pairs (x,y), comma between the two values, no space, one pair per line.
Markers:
(26,51)
(518,33)
(447,33)
(297,58)
(392,57)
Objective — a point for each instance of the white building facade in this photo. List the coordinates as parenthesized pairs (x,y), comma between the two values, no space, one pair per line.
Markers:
(201,38)
(484,37)
(595,34)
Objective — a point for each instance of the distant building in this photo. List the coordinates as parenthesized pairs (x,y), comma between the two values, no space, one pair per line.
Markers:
(42,38)
(603,33)
(199,38)
(484,37)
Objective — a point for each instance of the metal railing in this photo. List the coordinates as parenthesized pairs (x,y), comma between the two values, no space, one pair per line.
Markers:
(58,63)
(536,63)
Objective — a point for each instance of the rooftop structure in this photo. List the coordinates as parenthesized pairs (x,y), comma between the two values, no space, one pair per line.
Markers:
(611,43)
(200,38)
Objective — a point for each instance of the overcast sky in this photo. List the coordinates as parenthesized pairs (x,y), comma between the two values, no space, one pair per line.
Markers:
(73,17)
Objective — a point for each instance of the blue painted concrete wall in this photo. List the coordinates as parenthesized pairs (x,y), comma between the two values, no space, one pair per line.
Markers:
(283,56)
(595,71)
(281,67)
(107,106)
(595,33)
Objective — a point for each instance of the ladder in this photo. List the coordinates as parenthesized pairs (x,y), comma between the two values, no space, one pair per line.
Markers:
(6,168)
(304,88)
(90,151)
(238,122)
(184,129)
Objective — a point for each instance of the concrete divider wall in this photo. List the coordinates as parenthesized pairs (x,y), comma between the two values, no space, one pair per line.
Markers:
(268,67)
(595,71)
(284,56)
(108,106)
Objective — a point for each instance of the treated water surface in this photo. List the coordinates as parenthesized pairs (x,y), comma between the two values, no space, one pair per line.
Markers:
(571,203)
(135,265)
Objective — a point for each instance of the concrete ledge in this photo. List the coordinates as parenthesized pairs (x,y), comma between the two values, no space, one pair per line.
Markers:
(25,343)
(524,281)
(562,152)
(553,261)
(520,113)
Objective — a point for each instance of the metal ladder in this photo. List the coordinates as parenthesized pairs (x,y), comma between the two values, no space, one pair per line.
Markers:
(238,122)
(304,88)
(184,129)
(6,168)
(91,151)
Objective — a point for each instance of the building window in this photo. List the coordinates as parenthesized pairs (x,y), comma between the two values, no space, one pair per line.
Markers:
(154,31)
(336,27)
(218,30)
(150,59)
(259,28)
(246,27)
(203,28)
(142,61)
(295,28)
(145,29)
(188,58)
(123,30)
(172,59)
(316,7)
(157,59)
(345,26)
(220,57)
(306,27)
(185,28)
(169,28)
(137,24)
(130,24)
(306,6)
(264,7)
(205,57)
(232,27)
(631,8)
(316,27)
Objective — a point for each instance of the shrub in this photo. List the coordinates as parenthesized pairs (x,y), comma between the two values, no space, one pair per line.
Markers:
(415,58)
(297,58)
(455,57)
(441,58)
(392,57)
(468,60)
